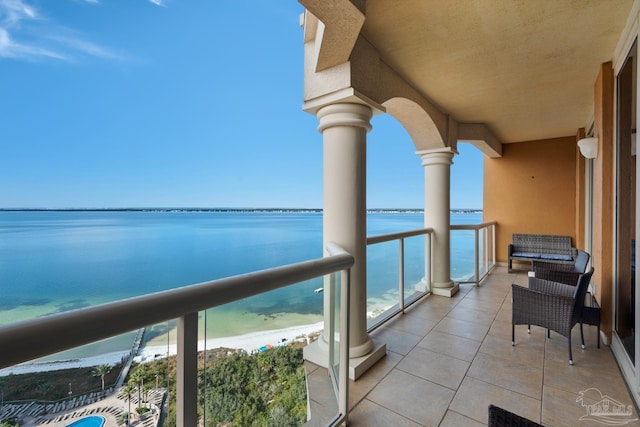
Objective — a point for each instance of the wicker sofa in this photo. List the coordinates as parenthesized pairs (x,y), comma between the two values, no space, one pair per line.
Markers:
(541,247)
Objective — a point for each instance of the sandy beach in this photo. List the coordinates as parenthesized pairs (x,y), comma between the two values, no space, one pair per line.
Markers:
(248,342)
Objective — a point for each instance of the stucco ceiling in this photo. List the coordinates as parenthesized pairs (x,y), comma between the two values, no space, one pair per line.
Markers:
(526,68)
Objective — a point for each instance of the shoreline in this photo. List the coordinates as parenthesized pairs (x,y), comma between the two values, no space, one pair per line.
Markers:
(249,342)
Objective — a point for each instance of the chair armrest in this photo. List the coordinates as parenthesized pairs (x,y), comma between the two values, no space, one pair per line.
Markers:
(510,249)
(551,287)
(566,277)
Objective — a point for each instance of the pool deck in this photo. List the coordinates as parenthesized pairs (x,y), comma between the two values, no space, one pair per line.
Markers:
(110,408)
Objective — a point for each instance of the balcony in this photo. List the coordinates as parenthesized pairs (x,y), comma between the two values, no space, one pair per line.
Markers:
(449,358)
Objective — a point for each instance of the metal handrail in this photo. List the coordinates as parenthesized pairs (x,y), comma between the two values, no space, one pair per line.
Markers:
(473,226)
(39,337)
(395,236)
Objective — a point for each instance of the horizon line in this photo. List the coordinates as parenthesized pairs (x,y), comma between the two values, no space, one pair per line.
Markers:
(209,209)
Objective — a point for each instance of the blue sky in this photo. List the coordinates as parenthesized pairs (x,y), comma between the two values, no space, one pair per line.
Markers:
(143,103)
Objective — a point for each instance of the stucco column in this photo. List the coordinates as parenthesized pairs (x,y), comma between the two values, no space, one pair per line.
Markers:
(344,130)
(437,176)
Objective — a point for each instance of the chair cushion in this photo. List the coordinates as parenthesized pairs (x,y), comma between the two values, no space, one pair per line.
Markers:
(557,257)
(526,254)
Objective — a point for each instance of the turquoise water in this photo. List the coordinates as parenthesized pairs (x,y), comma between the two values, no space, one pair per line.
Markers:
(88,422)
(53,261)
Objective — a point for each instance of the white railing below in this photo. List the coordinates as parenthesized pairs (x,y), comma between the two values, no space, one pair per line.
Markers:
(484,249)
(402,301)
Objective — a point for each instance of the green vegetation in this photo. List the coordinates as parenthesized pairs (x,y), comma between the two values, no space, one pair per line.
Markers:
(238,389)
(54,385)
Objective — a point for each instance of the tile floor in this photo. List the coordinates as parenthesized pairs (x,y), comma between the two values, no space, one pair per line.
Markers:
(449,358)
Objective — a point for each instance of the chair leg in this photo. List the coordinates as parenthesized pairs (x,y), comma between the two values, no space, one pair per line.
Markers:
(549,333)
(528,329)
(570,354)
(581,336)
(598,335)
(513,334)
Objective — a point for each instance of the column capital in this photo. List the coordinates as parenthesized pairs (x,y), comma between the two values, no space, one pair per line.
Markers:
(344,114)
(437,156)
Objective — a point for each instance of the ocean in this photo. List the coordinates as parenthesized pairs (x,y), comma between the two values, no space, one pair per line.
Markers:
(54,261)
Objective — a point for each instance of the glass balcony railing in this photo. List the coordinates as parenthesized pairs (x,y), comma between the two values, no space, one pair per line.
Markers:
(181,319)
(473,251)
(395,282)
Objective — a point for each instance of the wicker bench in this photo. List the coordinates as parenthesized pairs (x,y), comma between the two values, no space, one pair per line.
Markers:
(541,247)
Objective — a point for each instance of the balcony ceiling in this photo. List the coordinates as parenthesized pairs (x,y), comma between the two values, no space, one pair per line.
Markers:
(525,68)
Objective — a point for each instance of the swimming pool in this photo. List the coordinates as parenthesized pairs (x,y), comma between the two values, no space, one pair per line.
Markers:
(88,422)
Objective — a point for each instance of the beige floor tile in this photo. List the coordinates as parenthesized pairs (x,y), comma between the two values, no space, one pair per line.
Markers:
(599,371)
(504,314)
(462,328)
(529,351)
(438,368)
(429,310)
(474,397)
(450,345)
(396,341)
(487,293)
(415,398)
(411,325)
(360,388)
(369,414)
(481,305)
(471,315)
(514,376)
(454,419)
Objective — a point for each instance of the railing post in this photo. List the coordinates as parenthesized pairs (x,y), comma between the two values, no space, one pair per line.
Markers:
(428,260)
(476,257)
(493,243)
(187,371)
(401,275)
(343,374)
(332,322)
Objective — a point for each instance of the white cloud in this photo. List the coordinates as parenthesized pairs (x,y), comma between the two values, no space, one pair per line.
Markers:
(158,2)
(11,49)
(26,34)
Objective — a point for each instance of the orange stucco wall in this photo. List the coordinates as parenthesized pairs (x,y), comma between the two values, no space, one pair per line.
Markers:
(531,189)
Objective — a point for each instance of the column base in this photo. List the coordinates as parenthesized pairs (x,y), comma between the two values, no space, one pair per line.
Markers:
(317,354)
(447,291)
(422,286)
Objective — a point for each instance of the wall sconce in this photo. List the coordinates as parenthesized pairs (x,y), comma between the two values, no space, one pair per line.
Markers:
(589,147)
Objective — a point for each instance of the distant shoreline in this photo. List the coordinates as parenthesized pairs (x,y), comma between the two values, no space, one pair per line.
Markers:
(226,210)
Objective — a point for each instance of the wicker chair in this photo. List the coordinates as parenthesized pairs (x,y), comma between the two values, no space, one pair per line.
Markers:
(580,266)
(499,417)
(552,305)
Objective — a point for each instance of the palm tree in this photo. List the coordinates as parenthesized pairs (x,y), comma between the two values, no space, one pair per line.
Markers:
(137,378)
(101,371)
(128,391)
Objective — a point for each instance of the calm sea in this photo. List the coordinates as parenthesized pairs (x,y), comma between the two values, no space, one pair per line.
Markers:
(53,261)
